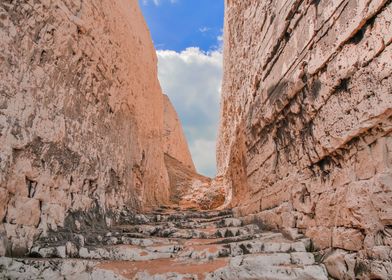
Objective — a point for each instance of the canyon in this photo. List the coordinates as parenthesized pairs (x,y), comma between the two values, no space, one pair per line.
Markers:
(96,177)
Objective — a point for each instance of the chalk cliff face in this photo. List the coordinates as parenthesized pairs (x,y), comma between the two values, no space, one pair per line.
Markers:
(305,137)
(175,143)
(81,115)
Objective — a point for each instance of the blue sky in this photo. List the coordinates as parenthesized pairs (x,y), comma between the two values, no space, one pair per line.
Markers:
(179,24)
(188,37)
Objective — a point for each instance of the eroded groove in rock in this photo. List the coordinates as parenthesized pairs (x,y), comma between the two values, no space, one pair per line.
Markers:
(305,131)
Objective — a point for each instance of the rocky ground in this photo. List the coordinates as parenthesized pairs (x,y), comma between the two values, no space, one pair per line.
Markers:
(169,244)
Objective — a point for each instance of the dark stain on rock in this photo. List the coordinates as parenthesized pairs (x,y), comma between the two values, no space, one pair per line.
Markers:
(357,38)
(316,2)
(43,57)
(94,218)
(315,88)
(17,251)
(343,85)
(360,268)
(274,92)
(324,166)
(31,187)
(35,255)
(114,181)
(245,250)
(51,153)
(228,233)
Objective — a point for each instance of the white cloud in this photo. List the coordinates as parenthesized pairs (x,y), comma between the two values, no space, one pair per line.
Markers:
(220,39)
(203,154)
(204,29)
(192,80)
(158,2)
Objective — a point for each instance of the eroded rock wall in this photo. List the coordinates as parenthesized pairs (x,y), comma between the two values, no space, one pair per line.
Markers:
(81,116)
(305,137)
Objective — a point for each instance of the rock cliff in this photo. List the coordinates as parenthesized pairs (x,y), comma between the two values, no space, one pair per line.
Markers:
(305,136)
(82,117)
(175,143)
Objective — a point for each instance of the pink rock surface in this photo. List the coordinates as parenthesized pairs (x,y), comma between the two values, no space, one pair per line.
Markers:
(83,121)
(306,117)
(175,143)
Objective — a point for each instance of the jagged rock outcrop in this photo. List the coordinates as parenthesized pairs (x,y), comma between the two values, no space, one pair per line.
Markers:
(81,117)
(305,138)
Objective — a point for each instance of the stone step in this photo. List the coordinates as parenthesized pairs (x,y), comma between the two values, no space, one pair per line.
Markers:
(190,224)
(202,215)
(208,233)
(168,245)
(161,248)
(141,227)
(130,253)
(201,223)
(271,266)
(127,218)
(119,237)
(211,251)
(81,269)
(54,269)
(214,219)
(185,233)
(179,225)
(295,265)
(278,272)
(115,252)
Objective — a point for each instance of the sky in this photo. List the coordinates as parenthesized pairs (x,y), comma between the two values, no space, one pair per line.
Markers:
(188,37)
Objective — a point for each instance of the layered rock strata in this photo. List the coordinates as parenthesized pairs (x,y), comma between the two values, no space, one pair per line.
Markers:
(82,118)
(305,137)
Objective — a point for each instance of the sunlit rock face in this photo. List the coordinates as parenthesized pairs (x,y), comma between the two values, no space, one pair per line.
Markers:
(81,116)
(175,143)
(305,136)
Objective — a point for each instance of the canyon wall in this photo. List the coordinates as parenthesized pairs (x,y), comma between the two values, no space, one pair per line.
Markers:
(175,143)
(305,137)
(81,117)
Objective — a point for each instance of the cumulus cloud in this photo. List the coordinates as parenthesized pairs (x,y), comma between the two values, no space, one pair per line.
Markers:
(192,80)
